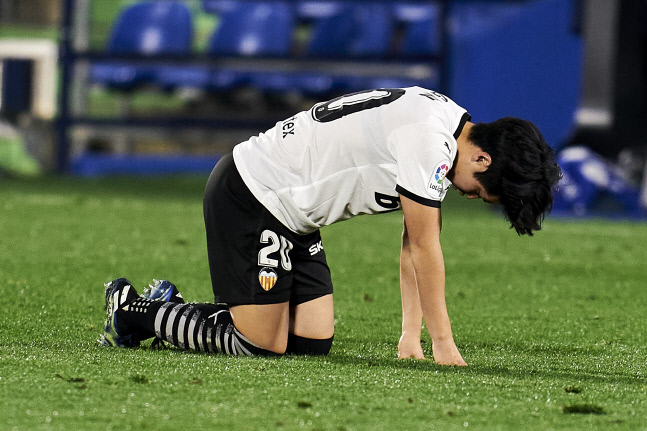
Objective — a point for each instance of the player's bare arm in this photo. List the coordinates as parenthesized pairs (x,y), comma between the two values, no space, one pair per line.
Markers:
(423,226)
(409,344)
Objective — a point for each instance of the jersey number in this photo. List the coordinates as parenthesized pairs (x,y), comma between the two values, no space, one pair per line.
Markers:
(276,243)
(386,201)
(350,103)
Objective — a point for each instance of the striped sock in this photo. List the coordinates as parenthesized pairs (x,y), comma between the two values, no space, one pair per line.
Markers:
(199,327)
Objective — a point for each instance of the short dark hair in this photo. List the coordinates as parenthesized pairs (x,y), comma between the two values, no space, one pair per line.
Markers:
(523,172)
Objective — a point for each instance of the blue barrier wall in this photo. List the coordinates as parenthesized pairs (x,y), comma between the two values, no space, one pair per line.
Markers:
(517,59)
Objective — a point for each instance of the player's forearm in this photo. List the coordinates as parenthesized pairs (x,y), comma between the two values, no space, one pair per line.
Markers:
(411,310)
(429,270)
(424,225)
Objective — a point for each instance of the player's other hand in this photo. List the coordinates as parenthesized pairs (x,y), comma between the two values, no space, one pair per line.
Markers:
(446,353)
(409,347)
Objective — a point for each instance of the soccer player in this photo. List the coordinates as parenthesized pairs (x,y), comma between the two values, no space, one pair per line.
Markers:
(363,153)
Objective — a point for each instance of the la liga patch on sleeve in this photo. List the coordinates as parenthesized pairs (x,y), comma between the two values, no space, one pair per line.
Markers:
(435,188)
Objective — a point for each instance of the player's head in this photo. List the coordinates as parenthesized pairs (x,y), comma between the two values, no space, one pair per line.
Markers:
(523,172)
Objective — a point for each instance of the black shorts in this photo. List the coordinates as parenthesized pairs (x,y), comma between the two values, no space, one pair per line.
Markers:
(254,258)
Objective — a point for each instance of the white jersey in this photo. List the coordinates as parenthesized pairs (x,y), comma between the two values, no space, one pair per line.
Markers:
(354,155)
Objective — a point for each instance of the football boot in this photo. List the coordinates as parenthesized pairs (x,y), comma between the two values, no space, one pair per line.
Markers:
(119,293)
(163,290)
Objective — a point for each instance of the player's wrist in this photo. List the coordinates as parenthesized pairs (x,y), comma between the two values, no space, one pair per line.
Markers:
(442,338)
(411,332)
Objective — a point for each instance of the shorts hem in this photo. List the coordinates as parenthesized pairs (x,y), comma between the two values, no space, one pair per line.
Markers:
(238,301)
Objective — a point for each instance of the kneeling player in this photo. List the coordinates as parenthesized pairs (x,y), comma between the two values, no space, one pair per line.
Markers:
(363,153)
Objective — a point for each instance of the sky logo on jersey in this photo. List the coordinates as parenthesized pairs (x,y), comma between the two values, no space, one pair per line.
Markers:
(267,278)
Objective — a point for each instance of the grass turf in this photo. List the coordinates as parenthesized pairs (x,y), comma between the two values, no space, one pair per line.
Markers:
(552,326)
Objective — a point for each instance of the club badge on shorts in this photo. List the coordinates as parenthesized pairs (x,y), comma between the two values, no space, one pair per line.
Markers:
(267,278)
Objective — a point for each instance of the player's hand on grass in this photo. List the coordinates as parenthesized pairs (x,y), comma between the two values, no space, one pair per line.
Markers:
(446,353)
(409,347)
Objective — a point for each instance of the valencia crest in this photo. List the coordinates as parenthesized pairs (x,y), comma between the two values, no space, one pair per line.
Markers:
(267,278)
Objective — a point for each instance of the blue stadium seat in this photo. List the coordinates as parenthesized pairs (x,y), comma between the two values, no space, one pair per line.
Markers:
(329,35)
(421,36)
(332,28)
(254,28)
(347,30)
(373,31)
(422,30)
(246,29)
(147,28)
(344,31)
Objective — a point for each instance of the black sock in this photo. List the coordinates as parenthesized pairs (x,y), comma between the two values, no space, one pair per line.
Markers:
(200,327)
(308,346)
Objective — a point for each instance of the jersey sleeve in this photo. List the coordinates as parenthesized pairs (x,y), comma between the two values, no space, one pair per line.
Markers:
(423,156)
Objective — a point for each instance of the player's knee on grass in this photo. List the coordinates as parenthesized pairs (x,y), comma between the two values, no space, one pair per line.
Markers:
(308,346)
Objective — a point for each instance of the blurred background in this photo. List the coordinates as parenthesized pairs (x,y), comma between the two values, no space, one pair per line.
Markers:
(124,87)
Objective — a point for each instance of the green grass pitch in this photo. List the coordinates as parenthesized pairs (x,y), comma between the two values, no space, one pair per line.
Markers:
(553,327)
